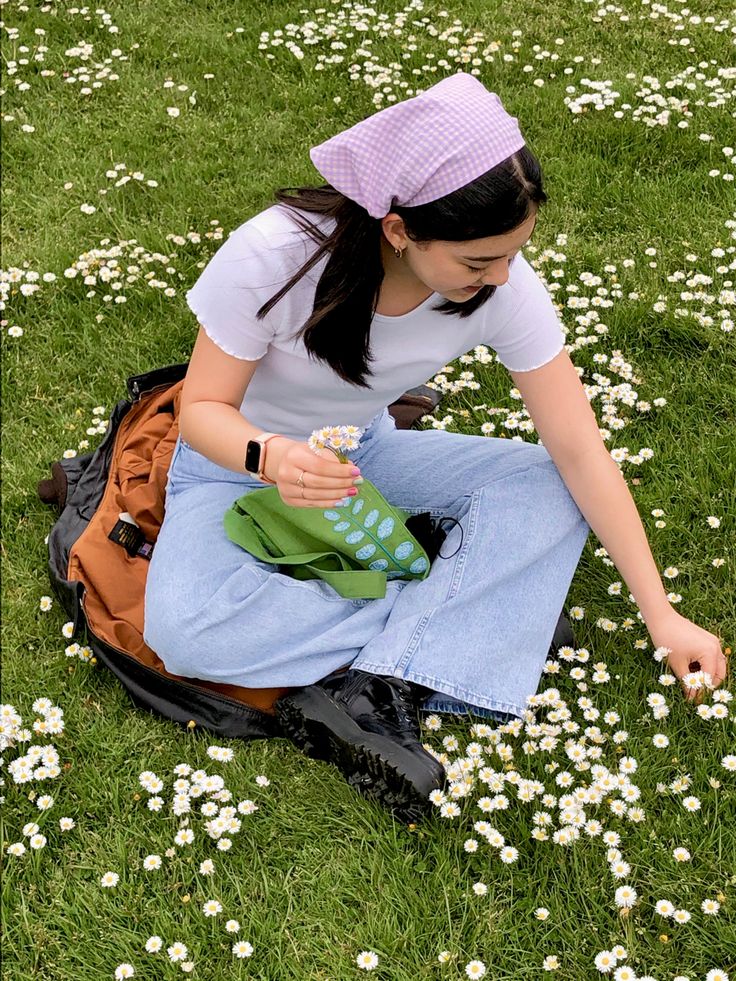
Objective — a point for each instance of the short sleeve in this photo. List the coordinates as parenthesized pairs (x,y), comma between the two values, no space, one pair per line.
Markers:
(522,325)
(241,276)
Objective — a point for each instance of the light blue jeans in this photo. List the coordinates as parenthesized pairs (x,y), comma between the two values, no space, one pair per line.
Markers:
(476,631)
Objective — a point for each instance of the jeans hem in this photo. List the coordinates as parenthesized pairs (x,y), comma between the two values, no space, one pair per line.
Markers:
(433,704)
(472,699)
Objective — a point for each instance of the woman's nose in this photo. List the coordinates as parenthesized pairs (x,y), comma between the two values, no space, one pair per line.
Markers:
(497,273)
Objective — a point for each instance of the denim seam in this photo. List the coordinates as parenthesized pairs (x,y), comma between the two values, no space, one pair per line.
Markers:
(468,538)
(414,640)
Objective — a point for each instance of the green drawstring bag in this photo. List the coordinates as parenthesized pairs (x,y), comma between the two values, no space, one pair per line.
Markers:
(355,546)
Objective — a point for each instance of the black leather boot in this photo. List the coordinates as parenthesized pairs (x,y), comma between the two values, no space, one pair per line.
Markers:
(563,637)
(367,726)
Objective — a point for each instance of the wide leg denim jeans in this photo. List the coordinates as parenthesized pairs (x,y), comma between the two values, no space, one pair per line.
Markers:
(476,631)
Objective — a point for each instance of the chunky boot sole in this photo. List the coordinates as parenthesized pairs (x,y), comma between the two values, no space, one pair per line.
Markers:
(374,765)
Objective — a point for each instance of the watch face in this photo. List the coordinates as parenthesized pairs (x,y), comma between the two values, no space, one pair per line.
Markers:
(252,456)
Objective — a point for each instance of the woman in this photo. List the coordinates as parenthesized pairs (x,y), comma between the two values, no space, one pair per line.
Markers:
(322,310)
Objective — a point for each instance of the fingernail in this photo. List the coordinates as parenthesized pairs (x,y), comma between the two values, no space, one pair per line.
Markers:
(355,472)
(353,491)
(358,480)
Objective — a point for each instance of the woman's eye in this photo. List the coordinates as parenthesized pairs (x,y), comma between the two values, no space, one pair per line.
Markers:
(475,268)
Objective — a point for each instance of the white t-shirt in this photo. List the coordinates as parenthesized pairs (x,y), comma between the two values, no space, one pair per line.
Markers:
(293,394)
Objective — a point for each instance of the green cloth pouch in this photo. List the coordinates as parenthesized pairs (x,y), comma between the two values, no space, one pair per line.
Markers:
(355,546)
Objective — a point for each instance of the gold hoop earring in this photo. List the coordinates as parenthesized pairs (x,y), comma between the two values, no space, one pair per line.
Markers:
(398,253)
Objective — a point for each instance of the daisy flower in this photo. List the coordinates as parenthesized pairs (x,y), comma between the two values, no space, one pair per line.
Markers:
(550,963)
(475,969)
(624,973)
(177,951)
(109,879)
(681,916)
(625,897)
(508,854)
(154,944)
(232,926)
(366,960)
(716,974)
(691,804)
(212,907)
(124,971)
(241,948)
(152,862)
(681,855)
(605,961)
(480,888)
(541,912)
(38,841)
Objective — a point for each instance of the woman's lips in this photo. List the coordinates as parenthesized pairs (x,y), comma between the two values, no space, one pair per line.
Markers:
(470,289)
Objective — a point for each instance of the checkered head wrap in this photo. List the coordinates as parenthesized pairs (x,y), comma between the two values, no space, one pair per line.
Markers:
(421,149)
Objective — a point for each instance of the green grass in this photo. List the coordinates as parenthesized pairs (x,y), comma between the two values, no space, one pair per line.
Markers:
(317,875)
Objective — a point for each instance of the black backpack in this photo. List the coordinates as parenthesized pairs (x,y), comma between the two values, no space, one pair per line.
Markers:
(76,487)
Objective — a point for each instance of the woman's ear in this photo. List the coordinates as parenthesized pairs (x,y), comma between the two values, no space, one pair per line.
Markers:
(394,230)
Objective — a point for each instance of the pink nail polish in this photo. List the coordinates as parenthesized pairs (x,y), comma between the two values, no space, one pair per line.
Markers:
(353,491)
(355,472)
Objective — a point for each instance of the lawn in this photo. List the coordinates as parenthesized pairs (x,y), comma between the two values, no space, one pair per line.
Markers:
(597,838)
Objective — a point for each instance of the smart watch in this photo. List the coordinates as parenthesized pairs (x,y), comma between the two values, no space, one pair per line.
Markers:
(255,456)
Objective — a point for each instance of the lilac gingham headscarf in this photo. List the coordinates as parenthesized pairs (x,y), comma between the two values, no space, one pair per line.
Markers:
(418,150)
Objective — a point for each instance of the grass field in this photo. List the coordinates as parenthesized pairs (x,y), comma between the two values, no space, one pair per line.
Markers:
(135,138)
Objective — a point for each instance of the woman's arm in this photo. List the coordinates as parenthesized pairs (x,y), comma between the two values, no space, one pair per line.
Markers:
(209,417)
(566,423)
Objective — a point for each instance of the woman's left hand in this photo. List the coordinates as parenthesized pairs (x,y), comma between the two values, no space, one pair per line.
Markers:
(691,649)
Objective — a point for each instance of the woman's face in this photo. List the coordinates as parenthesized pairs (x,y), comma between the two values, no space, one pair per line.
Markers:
(457,270)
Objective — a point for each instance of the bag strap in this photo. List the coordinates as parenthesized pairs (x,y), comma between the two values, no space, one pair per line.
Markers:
(349,583)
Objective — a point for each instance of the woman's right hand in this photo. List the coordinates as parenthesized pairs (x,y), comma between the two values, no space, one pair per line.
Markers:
(326,481)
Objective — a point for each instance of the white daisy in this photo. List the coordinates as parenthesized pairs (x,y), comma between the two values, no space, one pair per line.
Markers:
(241,948)
(367,960)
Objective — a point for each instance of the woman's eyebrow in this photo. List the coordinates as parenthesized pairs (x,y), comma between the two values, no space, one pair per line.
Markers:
(481,258)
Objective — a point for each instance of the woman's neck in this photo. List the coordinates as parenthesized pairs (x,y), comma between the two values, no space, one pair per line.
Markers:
(401,291)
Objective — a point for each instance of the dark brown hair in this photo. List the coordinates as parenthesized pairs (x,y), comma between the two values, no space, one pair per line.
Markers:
(349,287)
